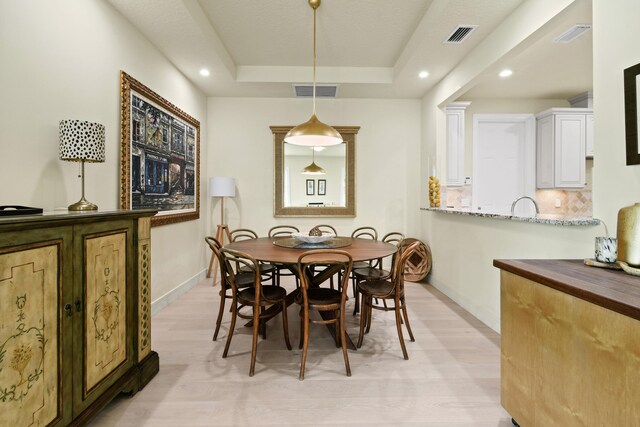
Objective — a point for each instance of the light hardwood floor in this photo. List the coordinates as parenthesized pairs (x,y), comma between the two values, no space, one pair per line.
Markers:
(451,377)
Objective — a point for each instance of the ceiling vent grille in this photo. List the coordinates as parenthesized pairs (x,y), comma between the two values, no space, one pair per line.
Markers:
(322,91)
(460,34)
(572,33)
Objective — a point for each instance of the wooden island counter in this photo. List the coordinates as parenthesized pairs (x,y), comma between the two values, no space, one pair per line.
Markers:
(570,344)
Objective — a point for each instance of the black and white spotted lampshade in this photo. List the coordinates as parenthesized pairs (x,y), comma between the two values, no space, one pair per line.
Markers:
(81,140)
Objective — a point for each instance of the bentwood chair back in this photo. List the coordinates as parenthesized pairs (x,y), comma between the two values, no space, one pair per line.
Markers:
(283,230)
(391,288)
(241,281)
(326,229)
(282,269)
(267,270)
(323,299)
(361,233)
(259,297)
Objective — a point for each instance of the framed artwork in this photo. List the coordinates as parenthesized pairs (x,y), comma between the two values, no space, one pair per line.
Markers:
(159,155)
(311,187)
(322,187)
(632,114)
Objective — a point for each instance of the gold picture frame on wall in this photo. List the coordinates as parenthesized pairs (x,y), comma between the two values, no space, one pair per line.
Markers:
(159,155)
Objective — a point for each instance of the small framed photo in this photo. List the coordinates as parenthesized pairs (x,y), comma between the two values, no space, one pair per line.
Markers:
(311,187)
(322,187)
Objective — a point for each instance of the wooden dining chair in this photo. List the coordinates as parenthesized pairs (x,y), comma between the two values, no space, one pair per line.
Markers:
(267,270)
(391,288)
(323,299)
(259,297)
(361,233)
(242,280)
(326,229)
(375,269)
(283,269)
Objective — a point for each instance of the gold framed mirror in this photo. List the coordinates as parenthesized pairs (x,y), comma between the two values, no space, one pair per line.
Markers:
(295,196)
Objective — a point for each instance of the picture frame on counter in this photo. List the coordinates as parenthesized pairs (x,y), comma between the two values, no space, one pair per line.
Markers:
(632,114)
(159,155)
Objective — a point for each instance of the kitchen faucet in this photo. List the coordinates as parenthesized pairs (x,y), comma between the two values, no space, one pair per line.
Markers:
(513,205)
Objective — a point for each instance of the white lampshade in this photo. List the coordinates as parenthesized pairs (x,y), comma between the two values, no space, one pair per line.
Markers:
(222,186)
(81,141)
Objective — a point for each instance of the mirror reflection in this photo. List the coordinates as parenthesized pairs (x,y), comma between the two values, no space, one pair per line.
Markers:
(314,181)
(314,176)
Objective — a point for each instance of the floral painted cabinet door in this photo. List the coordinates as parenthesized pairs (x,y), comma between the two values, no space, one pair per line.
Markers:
(31,385)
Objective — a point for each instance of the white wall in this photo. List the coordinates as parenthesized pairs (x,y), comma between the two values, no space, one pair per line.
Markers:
(615,47)
(61,60)
(387,161)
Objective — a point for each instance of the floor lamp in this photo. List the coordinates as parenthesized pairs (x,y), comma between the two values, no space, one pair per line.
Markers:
(220,186)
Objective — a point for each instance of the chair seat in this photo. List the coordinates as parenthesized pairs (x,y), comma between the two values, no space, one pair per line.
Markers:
(269,293)
(264,269)
(321,296)
(371,273)
(377,288)
(244,280)
(360,264)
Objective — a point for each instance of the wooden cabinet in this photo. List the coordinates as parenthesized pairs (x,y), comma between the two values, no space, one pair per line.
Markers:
(74,314)
(561,143)
(569,344)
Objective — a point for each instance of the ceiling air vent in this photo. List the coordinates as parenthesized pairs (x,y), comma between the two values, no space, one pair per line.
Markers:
(572,33)
(460,34)
(322,91)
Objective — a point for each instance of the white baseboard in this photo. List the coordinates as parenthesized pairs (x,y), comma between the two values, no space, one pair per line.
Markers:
(486,317)
(177,292)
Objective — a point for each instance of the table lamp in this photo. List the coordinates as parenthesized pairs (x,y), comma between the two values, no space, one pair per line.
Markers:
(220,186)
(81,141)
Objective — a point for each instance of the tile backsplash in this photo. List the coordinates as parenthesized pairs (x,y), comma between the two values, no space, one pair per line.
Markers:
(572,202)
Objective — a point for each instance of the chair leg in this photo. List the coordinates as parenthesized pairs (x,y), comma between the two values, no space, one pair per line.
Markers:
(234,312)
(305,347)
(254,345)
(285,324)
(263,324)
(301,327)
(356,307)
(369,314)
(343,340)
(363,314)
(406,319)
(399,328)
(223,297)
(337,328)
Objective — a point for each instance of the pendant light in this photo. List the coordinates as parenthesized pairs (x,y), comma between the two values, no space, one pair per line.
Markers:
(313,133)
(313,169)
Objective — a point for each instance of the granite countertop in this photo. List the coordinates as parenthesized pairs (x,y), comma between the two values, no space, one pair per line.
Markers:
(539,218)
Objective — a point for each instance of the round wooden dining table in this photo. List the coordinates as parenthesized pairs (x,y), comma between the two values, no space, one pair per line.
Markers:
(264,249)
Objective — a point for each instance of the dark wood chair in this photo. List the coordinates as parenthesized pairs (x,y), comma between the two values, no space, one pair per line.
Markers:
(268,271)
(361,233)
(375,269)
(283,269)
(391,288)
(326,229)
(242,281)
(323,299)
(259,297)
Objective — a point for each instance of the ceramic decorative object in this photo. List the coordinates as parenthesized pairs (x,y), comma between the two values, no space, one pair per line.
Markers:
(312,239)
(606,249)
(629,235)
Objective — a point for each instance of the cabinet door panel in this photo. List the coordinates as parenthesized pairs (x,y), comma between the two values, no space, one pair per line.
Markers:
(31,334)
(570,150)
(102,336)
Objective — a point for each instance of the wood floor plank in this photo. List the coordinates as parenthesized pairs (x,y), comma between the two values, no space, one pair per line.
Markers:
(451,377)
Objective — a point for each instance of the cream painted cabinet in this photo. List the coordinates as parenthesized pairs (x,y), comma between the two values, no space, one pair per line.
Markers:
(561,141)
(455,143)
(74,314)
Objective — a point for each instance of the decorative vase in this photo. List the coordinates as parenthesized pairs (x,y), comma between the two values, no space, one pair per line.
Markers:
(629,235)
(434,192)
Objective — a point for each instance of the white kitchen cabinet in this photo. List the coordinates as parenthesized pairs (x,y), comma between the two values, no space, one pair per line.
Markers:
(589,140)
(455,143)
(561,144)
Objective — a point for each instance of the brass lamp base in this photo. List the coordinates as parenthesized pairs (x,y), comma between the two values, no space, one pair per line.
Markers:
(83,205)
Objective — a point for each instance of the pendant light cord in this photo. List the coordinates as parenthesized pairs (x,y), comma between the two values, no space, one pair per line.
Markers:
(314,61)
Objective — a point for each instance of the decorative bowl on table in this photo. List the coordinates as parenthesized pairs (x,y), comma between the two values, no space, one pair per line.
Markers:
(312,239)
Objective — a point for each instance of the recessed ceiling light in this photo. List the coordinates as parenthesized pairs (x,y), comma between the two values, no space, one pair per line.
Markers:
(505,73)
(423,74)
(204,72)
